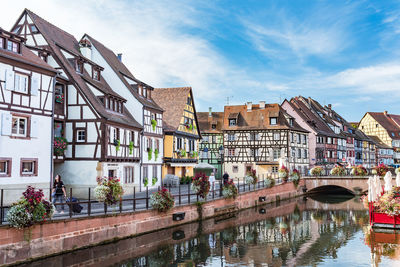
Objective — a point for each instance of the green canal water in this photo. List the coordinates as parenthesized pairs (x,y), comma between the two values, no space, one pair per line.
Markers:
(328,230)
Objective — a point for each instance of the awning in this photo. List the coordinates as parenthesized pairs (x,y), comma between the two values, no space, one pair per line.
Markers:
(204,165)
(182,164)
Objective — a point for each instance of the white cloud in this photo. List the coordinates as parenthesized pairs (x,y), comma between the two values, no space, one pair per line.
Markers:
(150,34)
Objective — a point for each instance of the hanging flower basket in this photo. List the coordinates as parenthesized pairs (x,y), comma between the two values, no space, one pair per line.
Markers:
(32,208)
(60,145)
(162,200)
(154,181)
(200,185)
(295,177)
(109,190)
(149,153)
(156,152)
(283,173)
(131,146)
(230,190)
(154,124)
(251,177)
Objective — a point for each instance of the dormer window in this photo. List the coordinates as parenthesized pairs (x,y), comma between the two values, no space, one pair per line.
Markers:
(144,92)
(16,30)
(13,46)
(273,120)
(34,29)
(213,126)
(79,66)
(96,74)
(232,122)
(291,121)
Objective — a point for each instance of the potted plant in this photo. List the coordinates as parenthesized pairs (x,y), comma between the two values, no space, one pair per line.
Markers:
(200,185)
(295,177)
(30,209)
(131,146)
(117,144)
(229,190)
(154,124)
(156,152)
(316,171)
(380,170)
(338,171)
(109,190)
(283,173)
(251,177)
(358,171)
(162,200)
(60,144)
(181,153)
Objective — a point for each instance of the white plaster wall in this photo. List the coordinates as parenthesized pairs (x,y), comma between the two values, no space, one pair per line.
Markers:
(133,105)
(77,172)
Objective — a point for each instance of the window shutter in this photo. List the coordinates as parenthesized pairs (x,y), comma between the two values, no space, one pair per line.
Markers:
(35,85)
(9,80)
(187,145)
(176,144)
(6,120)
(34,127)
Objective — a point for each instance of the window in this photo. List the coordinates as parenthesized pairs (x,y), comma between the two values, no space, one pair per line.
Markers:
(13,46)
(232,122)
(205,138)
(144,92)
(5,167)
(213,126)
(21,83)
(29,167)
(376,125)
(179,143)
(19,126)
(329,140)
(115,134)
(299,153)
(231,152)
(1,42)
(96,74)
(273,120)
(305,153)
(189,101)
(231,137)
(298,138)
(274,169)
(34,29)
(16,29)
(235,169)
(291,121)
(155,174)
(277,154)
(145,173)
(214,139)
(81,135)
(291,137)
(129,175)
(79,66)
(277,136)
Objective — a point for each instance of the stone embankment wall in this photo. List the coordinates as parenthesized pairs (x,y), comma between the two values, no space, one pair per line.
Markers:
(66,235)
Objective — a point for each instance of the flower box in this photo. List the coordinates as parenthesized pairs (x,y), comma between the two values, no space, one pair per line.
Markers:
(383,218)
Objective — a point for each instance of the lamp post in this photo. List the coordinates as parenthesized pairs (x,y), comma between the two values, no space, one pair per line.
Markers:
(221,157)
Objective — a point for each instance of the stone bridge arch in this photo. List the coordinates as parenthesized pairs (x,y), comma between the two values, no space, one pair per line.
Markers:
(354,185)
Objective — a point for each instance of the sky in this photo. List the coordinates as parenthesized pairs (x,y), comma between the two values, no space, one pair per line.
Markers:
(344,53)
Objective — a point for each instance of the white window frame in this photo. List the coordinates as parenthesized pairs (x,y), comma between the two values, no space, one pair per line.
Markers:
(231,137)
(25,134)
(21,83)
(78,136)
(277,136)
(273,120)
(7,171)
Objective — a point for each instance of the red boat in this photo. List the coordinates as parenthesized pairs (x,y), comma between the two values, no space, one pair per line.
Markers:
(382,220)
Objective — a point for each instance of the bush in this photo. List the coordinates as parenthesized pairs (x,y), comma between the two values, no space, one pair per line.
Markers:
(162,200)
(30,209)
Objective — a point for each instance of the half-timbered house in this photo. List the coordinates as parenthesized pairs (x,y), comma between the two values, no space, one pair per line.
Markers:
(257,137)
(211,144)
(181,130)
(26,110)
(102,135)
(139,102)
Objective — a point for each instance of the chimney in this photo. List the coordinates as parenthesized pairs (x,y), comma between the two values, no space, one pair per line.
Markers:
(385,112)
(249,106)
(210,112)
(262,104)
(85,48)
(119,56)
(329,106)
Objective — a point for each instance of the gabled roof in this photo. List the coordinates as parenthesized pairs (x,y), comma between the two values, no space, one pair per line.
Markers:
(206,121)
(173,102)
(258,118)
(121,70)
(26,56)
(58,39)
(312,119)
(388,122)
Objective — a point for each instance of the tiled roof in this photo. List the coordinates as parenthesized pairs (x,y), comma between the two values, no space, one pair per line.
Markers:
(26,56)
(173,102)
(57,38)
(258,118)
(387,121)
(121,70)
(206,121)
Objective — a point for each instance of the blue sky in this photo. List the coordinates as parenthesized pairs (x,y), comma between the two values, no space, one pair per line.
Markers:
(346,53)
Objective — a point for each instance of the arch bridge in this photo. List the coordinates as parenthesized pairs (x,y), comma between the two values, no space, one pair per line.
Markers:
(354,185)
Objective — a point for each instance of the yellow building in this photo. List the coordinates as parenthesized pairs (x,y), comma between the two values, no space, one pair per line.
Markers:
(181,132)
(384,126)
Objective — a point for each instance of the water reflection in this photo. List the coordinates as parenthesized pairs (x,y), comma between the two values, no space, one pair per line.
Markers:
(301,232)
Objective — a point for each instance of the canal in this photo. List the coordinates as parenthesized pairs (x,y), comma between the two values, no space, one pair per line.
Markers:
(322,230)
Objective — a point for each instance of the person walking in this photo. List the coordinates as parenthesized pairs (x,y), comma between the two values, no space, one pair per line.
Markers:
(58,193)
